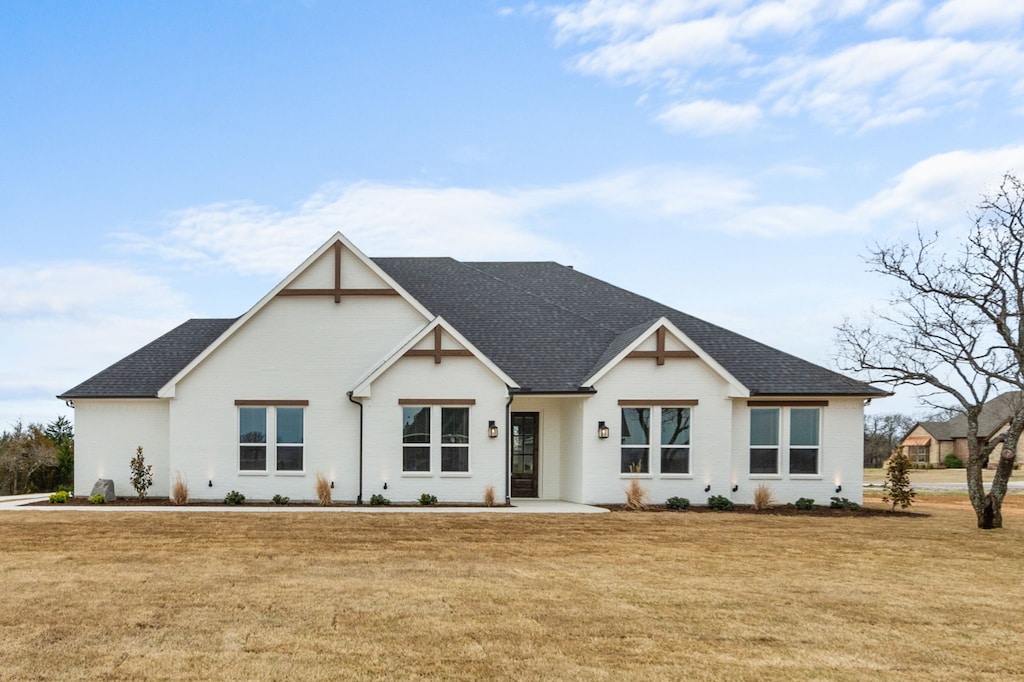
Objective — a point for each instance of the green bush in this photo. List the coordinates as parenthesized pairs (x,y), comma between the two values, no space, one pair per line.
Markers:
(98,498)
(843,503)
(234,497)
(59,497)
(280,499)
(378,500)
(677,503)
(426,499)
(721,503)
(142,474)
(952,462)
(897,488)
(804,504)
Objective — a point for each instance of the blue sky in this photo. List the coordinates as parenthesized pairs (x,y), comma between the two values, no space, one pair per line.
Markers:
(733,159)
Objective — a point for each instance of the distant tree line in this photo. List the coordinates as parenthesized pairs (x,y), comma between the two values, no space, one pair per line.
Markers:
(35,458)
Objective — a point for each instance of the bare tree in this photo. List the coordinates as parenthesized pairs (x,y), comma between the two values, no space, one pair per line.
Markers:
(882,433)
(955,324)
(22,453)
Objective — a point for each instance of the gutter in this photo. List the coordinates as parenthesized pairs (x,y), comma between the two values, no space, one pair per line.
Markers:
(508,449)
(359,497)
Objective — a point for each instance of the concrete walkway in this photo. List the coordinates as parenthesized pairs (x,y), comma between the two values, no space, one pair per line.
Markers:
(18,502)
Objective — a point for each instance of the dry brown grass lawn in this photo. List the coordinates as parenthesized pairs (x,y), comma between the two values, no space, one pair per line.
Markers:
(143,595)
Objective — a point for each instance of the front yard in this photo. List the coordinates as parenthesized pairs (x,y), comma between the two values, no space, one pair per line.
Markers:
(138,595)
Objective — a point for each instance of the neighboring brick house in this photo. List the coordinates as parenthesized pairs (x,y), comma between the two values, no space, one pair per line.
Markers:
(928,443)
(401,376)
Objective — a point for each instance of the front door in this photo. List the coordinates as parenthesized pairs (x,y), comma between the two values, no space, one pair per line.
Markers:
(525,455)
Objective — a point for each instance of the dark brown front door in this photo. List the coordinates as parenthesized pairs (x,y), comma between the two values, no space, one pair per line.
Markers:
(525,455)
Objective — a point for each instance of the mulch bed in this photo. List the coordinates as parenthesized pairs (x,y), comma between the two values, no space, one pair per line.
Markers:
(82,501)
(780,510)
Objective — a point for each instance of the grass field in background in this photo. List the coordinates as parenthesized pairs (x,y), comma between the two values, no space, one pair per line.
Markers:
(142,595)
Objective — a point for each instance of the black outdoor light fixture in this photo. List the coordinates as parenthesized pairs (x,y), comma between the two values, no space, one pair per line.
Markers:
(707,488)
(332,484)
(385,485)
(602,430)
(210,484)
(839,488)
(492,429)
(735,487)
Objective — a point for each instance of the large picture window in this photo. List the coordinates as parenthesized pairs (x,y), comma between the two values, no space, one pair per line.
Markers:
(416,439)
(764,440)
(280,424)
(636,440)
(675,440)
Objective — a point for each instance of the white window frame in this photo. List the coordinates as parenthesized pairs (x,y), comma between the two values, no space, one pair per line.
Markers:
(434,443)
(636,446)
(663,446)
(784,444)
(269,408)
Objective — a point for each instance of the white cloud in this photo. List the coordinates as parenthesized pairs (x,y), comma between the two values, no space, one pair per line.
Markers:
(895,15)
(710,117)
(959,16)
(798,57)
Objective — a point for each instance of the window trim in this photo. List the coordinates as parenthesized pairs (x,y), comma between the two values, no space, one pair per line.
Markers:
(434,443)
(635,446)
(678,405)
(785,428)
(270,437)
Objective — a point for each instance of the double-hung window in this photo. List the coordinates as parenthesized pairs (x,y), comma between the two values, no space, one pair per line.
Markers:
(454,439)
(280,424)
(764,440)
(804,440)
(415,439)
(636,440)
(675,440)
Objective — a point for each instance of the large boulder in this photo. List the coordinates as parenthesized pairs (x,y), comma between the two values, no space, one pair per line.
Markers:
(104,487)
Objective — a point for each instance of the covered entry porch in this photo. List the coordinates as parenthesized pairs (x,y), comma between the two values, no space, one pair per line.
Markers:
(545,447)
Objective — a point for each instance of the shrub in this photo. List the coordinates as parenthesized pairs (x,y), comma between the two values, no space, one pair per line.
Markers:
(234,497)
(59,497)
(804,504)
(179,489)
(489,496)
(762,497)
(98,498)
(378,500)
(142,474)
(280,499)
(426,499)
(843,503)
(721,503)
(952,462)
(323,489)
(677,503)
(636,496)
(897,488)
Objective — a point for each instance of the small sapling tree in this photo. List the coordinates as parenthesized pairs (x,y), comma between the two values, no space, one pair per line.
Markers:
(897,488)
(142,474)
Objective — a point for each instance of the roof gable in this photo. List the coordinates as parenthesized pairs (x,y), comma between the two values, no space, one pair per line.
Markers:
(434,333)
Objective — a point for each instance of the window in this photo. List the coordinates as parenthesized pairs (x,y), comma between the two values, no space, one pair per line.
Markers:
(764,440)
(804,440)
(286,434)
(289,438)
(415,439)
(455,439)
(636,440)
(252,438)
(675,440)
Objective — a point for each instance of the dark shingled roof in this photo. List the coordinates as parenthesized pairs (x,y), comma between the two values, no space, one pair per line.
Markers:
(547,326)
(144,372)
(993,415)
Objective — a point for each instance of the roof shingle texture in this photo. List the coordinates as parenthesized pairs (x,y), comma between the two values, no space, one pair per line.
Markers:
(993,415)
(548,326)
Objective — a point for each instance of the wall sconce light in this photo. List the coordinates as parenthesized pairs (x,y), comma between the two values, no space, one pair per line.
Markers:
(839,488)
(210,484)
(735,487)
(385,485)
(332,485)
(492,429)
(707,488)
(602,430)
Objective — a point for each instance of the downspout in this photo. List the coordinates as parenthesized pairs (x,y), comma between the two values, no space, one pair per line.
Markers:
(508,450)
(359,498)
